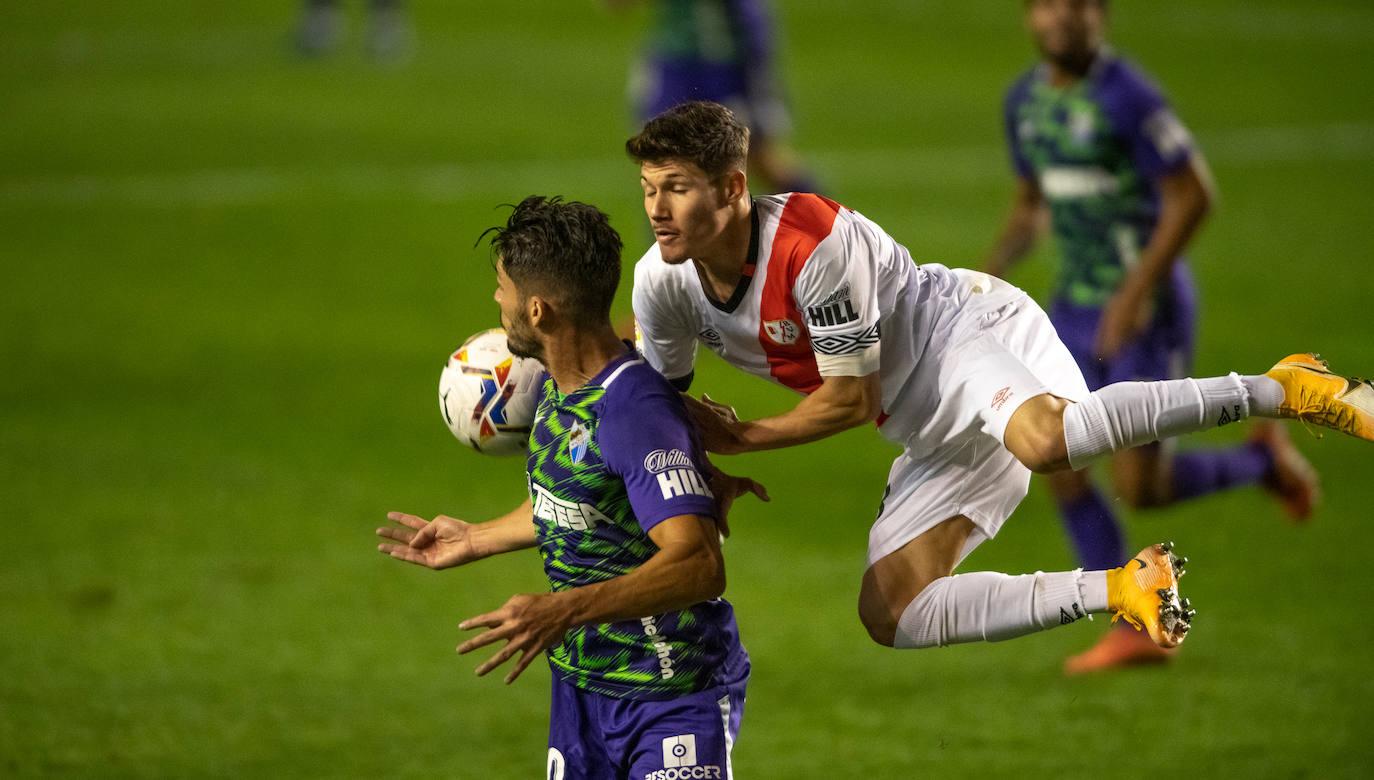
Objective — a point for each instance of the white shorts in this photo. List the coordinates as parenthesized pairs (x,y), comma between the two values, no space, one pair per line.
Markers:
(1001,351)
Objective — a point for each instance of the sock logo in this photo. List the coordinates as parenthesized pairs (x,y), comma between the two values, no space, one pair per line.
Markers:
(1229,415)
(1065,618)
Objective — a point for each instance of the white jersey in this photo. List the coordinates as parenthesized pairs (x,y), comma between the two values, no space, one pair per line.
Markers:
(825,292)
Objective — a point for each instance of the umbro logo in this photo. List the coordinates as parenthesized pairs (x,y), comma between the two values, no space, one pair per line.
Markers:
(1229,415)
(1001,397)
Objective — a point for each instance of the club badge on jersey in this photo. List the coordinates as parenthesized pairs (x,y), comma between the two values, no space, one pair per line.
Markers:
(579,438)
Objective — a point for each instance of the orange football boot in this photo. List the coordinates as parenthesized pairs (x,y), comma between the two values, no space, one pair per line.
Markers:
(1145,593)
(1313,394)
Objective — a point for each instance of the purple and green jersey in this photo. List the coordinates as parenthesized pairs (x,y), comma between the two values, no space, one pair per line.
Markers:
(1095,148)
(719,50)
(607,463)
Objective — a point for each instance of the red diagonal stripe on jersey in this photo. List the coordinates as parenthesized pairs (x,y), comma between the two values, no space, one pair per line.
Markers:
(805,221)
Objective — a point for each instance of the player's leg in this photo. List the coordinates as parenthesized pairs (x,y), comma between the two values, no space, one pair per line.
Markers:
(389,32)
(1089,519)
(942,608)
(576,738)
(937,509)
(320,29)
(690,736)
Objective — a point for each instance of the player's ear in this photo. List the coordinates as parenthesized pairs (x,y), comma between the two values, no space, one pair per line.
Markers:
(537,308)
(735,186)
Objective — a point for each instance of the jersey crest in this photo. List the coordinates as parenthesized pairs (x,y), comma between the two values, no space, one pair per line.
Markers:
(782,332)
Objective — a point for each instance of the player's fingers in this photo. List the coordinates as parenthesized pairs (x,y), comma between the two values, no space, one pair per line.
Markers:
(484,620)
(405,519)
(503,655)
(758,490)
(424,537)
(402,553)
(521,664)
(402,535)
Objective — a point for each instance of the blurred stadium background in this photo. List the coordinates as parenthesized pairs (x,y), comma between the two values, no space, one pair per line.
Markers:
(231,278)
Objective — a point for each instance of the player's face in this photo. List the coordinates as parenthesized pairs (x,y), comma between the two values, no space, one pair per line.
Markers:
(520,336)
(1067,32)
(687,209)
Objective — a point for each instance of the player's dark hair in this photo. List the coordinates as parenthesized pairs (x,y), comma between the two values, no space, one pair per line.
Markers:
(564,251)
(700,132)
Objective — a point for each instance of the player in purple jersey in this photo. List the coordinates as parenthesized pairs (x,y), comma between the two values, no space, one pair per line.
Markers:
(723,51)
(1091,139)
(648,672)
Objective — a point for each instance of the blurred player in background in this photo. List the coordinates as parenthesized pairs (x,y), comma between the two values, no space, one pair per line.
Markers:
(321,29)
(721,50)
(1126,187)
(960,368)
(648,670)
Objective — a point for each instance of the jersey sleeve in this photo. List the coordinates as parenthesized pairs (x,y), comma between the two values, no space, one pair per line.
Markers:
(663,332)
(1158,142)
(646,438)
(836,291)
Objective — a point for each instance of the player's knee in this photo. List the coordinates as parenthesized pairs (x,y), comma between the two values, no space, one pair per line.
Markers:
(1041,449)
(1035,435)
(878,620)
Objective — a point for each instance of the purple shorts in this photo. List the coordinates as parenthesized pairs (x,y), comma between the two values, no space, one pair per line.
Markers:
(595,737)
(1163,351)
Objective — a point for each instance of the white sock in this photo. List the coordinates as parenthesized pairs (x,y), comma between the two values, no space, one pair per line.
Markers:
(991,606)
(1128,414)
(1265,395)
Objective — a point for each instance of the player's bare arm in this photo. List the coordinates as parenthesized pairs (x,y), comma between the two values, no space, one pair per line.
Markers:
(446,541)
(687,569)
(840,403)
(1185,197)
(1024,223)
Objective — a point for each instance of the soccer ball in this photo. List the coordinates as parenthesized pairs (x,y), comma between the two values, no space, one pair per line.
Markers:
(487,395)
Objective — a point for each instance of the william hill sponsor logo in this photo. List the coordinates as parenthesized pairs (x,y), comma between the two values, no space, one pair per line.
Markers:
(677,475)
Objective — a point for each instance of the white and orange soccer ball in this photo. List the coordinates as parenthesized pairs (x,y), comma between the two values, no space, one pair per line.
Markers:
(487,395)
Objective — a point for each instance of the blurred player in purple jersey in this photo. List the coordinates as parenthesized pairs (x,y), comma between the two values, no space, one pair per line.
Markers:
(1126,188)
(320,30)
(648,671)
(722,51)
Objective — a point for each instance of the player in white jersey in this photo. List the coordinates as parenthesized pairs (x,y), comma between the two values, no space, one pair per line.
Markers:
(963,370)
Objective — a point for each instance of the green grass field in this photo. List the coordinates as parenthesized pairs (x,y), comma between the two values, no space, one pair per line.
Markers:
(231,277)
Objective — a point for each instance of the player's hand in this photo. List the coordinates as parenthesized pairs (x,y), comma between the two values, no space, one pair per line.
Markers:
(530,624)
(1124,318)
(717,424)
(440,544)
(728,488)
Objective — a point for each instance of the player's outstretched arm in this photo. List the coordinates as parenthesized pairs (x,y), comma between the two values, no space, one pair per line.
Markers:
(687,569)
(447,541)
(1185,198)
(840,403)
(1021,229)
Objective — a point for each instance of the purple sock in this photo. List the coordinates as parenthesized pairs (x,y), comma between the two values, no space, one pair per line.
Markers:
(1096,533)
(1201,472)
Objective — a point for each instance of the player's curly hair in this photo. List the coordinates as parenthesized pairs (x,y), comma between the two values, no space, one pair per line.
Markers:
(700,132)
(564,251)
